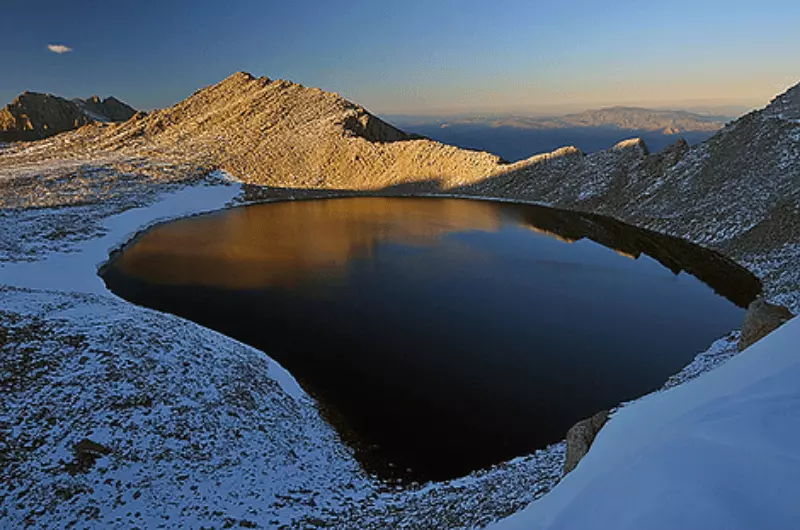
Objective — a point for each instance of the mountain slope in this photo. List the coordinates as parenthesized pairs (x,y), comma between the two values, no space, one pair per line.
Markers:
(33,116)
(108,109)
(738,192)
(284,134)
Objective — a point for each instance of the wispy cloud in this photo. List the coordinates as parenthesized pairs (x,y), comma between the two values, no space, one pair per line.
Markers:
(59,48)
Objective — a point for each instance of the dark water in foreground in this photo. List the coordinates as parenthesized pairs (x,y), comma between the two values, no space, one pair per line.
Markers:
(440,335)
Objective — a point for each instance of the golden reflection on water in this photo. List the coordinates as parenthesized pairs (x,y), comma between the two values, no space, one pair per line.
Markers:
(552,233)
(287,243)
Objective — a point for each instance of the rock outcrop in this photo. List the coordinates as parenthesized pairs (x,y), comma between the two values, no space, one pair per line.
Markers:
(108,109)
(34,116)
(580,438)
(762,318)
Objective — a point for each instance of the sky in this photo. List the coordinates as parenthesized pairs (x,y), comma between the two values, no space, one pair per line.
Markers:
(411,56)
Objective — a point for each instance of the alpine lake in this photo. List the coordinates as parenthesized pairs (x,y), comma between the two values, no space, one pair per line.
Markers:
(442,336)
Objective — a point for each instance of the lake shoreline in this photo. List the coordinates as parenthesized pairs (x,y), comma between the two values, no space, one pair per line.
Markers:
(513,485)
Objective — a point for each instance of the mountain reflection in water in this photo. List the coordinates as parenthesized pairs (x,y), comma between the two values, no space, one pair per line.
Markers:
(291,242)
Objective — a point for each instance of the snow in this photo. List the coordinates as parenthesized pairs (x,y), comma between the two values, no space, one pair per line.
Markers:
(199,430)
(210,432)
(717,452)
(203,429)
(76,271)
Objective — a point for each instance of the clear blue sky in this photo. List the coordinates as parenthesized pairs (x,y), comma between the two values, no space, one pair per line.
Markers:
(415,56)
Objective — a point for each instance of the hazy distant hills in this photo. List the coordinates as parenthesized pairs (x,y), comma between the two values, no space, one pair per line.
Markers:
(630,118)
(515,137)
(34,116)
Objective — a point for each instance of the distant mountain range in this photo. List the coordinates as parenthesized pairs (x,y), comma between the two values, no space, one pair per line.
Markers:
(630,118)
(515,137)
(34,116)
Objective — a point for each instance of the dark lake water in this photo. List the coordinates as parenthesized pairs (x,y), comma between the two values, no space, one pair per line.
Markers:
(439,335)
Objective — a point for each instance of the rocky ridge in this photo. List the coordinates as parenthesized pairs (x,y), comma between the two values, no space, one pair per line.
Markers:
(34,116)
(108,109)
(279,133)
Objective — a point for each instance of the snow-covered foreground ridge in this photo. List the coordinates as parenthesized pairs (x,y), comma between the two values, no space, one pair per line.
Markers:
(718,452)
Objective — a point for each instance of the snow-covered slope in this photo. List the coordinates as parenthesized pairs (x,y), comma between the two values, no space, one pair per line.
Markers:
(717,452)
(115,416)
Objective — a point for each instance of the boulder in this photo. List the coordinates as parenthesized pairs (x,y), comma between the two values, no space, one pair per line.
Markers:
(580,438)
(762,318)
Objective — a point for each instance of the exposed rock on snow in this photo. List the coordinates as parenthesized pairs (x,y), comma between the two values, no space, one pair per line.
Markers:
(580,437)
(762,318)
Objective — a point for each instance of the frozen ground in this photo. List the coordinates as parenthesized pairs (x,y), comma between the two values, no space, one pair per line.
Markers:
(118,416)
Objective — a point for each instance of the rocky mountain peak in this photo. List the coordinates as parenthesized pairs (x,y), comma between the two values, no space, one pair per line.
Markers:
(33,116)
(241,75)
(108,109)
(635,144)
(238,80)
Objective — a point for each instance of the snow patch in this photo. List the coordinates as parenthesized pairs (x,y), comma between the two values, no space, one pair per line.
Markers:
(717,452)
(76,270)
